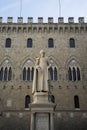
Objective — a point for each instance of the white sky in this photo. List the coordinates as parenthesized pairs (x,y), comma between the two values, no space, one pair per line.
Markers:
(43,8)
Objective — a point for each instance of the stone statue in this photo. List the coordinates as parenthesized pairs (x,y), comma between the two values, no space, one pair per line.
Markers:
(40,80)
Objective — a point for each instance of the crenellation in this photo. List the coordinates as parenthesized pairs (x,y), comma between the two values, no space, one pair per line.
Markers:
(60,20)
(70,20)
(30,19)
(1,19)
(81,19)
(20,20)
(10,20)
(40,19)
(50,19)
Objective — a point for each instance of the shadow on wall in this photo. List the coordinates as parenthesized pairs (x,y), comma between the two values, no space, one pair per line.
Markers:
(70,124)
(14,123)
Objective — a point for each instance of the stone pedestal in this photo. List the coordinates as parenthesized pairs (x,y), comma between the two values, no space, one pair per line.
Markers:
(40,98)
(42,112)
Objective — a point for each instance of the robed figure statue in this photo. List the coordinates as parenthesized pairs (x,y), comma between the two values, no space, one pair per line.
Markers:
(40,80)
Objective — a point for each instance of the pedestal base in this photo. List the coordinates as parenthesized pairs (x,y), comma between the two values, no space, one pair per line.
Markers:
(40,97)
(42,121)
(42,112)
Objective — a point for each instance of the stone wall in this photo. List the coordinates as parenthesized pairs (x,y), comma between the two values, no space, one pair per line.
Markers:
(61,54)
(63,120)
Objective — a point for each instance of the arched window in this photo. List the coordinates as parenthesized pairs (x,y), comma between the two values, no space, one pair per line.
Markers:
(8,43)
(28,74)
(74,71)
(6,74)
(24,73)
(78,73)
(6,71)
(50,73)
(74,74)
(29,43)
(28,71)
(70,74)
(27,101)
(1,74)
(76,101)
(50,43)
(9,74)
(52,99)
(55,74)
(72,43)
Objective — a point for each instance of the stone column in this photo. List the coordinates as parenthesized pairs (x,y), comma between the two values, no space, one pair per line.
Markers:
(32,122)
(51,122)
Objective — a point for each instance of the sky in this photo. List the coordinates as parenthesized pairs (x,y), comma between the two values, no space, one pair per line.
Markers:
(43,8)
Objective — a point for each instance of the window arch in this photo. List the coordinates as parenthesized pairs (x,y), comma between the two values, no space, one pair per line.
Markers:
(50,73)
(27,101)
(52,99)
(50,43)
(76,101)
(8,43)
(52,70)
(29,43)
(74,73)
(28,71)
(72,43)
(6,71)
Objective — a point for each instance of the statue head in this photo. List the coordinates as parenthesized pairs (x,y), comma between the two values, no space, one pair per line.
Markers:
(42,53)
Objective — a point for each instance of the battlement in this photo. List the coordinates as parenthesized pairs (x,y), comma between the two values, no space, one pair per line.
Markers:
(40,20)
(40,26)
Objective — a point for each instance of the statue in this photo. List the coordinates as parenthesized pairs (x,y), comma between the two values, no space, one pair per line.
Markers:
(40,80)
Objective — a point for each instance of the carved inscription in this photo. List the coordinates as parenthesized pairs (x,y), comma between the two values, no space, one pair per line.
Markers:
(42,122)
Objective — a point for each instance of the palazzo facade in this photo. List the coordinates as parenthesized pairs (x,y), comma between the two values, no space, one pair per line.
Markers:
(65,45)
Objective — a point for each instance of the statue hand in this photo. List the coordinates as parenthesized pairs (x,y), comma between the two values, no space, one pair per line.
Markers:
(39,68)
